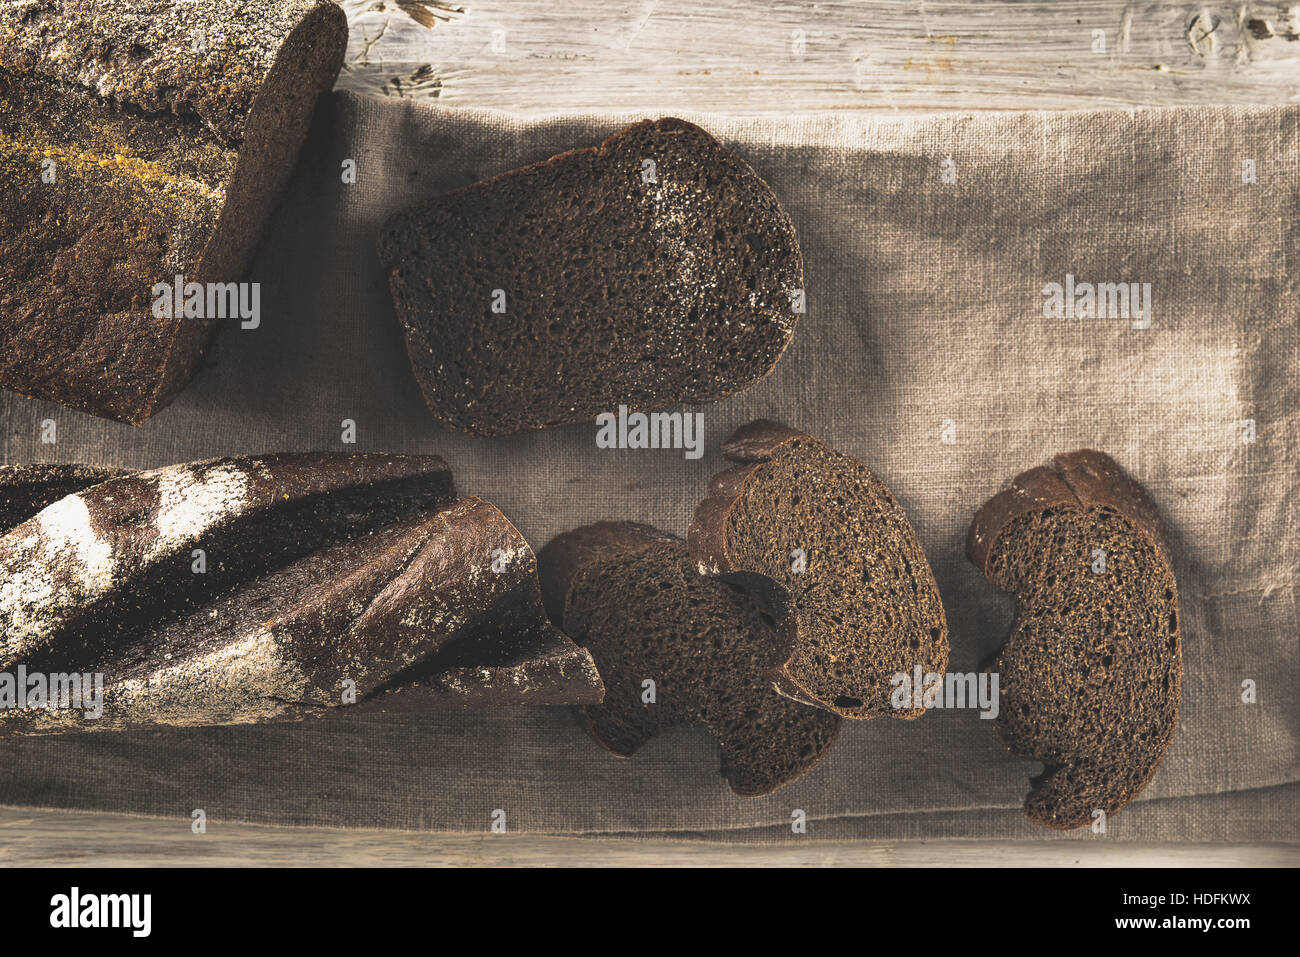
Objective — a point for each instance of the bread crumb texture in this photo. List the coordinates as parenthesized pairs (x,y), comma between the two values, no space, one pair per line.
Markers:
(1090,676)
(652,269)
(822,531)
(632,597)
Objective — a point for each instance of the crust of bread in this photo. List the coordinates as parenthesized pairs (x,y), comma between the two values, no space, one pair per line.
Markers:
(566,555)
(84,562)
(538,664)
(27,489)
(1084,477)
(749,446)
(440,610)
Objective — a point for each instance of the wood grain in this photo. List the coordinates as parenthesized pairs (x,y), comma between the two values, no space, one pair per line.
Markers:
(40,838)
(743,56)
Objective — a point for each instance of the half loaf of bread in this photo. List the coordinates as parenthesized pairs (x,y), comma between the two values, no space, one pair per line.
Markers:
(141,140)
(323,581)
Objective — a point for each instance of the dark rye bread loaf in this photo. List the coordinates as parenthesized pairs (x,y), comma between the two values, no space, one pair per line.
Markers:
(394,618)
(172,128)
(101,563)
(630,595)
(1090,675)
(26,489)
(865,606)
(616,290)
(513,655)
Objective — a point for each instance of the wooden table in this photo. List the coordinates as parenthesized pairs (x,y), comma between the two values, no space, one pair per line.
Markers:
(749,56)
(38,838)
(743,56)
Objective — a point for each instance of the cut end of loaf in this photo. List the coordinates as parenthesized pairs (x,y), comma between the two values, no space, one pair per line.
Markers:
(169,153)
(653,269)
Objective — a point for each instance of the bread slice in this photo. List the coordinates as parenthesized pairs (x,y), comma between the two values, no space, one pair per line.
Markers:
(171,129)
(112,559)
(652,269)
(1090,676)
(26,489)
(630,595)
(394,615)
(824,536)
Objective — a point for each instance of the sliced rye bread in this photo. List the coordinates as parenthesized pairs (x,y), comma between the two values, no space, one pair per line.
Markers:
(1090,675)
(171,129)
(865,606)
(26,489)
(390,620)
(617,290)
(105,562)
(630,595)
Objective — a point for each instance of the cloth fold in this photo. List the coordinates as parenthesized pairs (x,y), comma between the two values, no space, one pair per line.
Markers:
(928,350)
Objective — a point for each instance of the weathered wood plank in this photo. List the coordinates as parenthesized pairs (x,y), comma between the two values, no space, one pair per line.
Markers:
(747,56)
(35,838)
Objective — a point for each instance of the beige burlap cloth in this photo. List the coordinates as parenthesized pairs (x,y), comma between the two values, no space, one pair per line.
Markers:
(925,351)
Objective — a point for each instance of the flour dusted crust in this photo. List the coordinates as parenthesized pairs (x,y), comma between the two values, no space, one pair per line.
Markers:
(26,489)
(436,611)
(440,608)
(110,556)
(67,558)
(207,58)
(478,581)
